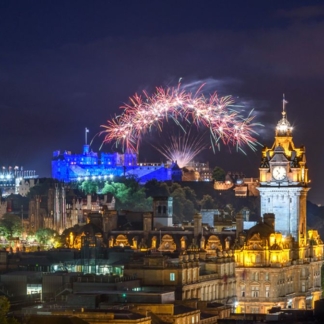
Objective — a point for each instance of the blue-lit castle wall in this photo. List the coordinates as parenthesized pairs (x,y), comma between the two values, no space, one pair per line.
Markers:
(69,167)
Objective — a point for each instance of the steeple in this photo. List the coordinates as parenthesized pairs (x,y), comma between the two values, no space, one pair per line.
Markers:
(283,127)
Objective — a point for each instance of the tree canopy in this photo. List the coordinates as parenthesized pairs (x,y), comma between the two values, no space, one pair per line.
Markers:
(89,187)
(129,195)
(45,235)
(4,309)
(207,202)
(11,226)
(218,174)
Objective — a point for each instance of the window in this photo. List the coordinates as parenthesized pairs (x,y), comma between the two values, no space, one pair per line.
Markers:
(242,291)
(303,287)
(255,292)
(192,319)
(172,276)
(267,292)
(255,276)
(266,276)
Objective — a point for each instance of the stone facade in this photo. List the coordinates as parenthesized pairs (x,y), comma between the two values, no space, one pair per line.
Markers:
(284,182)
(278,262)
(190,277)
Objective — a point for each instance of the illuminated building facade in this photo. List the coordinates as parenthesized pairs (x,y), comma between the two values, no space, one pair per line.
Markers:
(197,171)
(284,182)
(69,167)
(16,180)
(58,209)
(278,262)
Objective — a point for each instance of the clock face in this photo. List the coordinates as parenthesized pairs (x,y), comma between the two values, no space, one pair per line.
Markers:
(279,172)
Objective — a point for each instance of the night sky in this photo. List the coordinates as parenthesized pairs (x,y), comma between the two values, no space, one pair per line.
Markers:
(67,65)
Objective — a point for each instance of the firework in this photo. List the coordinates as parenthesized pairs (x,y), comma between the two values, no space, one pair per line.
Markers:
(146,112)
(182,148)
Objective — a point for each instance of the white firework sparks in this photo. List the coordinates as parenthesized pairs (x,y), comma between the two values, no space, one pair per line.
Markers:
(182,149)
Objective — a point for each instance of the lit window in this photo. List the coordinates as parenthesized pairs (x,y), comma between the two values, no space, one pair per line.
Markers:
(255,292)
(243,291)
(172,276)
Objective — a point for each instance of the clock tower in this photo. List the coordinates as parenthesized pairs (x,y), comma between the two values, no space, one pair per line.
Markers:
(284,182)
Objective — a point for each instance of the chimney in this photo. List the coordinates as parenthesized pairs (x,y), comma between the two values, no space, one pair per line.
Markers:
(197,224)
(239,224)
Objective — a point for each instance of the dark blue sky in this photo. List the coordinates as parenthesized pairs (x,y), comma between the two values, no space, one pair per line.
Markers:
(65,65)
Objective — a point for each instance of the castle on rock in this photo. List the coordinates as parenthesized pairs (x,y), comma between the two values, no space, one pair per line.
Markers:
(89,165)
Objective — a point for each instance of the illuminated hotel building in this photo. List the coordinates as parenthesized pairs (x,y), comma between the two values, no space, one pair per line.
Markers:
(278,262)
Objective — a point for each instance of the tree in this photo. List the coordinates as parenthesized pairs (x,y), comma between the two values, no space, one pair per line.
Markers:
(183,208)
(45,235)
(128,196)
(178,204)
(207,202)
(156,188)
(191,196)
(89,187)
(218,174)
(4,309)
(11,226)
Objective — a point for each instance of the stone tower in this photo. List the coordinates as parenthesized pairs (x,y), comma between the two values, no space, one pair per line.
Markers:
(162,211)
(284,182)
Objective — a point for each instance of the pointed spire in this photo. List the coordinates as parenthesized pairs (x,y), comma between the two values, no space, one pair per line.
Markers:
(283,126)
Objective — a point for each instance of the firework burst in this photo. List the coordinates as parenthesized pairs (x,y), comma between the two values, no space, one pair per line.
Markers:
(182,148)
(146,112)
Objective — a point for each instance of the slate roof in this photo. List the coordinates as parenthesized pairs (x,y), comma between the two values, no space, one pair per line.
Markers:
(263,229)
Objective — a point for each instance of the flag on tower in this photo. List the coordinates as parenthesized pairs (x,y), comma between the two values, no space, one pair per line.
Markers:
(284,99)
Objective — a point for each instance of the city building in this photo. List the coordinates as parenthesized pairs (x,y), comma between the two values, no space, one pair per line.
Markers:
(197,171)
(16,180)
(278,261)
(59,209)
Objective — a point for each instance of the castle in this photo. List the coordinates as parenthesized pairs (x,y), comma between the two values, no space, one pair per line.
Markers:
(89,165)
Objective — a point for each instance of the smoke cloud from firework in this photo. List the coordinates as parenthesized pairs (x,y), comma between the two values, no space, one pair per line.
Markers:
(147,112)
